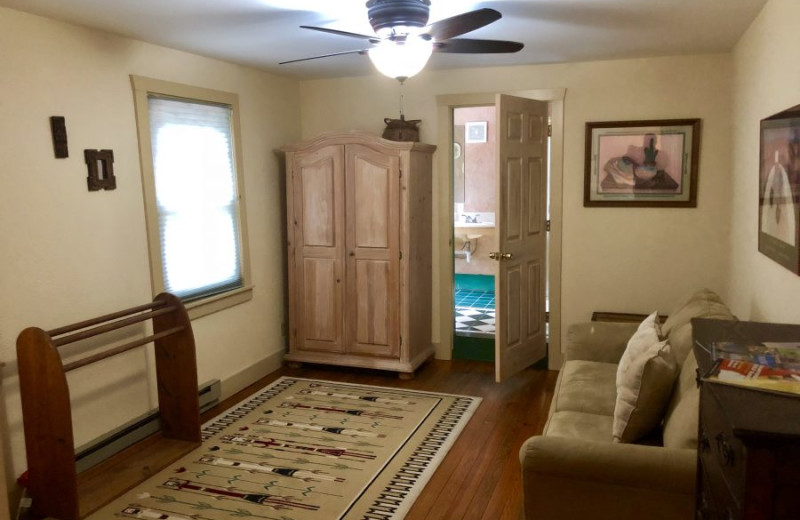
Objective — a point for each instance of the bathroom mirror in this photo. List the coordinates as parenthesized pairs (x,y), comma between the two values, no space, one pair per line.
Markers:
(458,164)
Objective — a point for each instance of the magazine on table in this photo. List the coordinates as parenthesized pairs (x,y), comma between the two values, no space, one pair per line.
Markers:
(767,366)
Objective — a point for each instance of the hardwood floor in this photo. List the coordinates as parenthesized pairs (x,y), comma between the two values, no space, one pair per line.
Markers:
(480,477)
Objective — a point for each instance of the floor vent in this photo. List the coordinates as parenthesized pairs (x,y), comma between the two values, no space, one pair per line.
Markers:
(101,448)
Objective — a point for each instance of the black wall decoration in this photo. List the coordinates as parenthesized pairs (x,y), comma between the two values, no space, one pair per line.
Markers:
(58,128)
(101,169)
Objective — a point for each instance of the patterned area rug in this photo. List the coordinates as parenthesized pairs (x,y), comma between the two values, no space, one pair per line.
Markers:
(305,449)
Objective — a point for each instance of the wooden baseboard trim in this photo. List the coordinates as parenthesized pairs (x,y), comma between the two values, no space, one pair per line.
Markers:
(251,374)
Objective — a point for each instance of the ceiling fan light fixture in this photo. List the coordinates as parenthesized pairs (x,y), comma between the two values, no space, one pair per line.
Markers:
(402,59)
(392,13)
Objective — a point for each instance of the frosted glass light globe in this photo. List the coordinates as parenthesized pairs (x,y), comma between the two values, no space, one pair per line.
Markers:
(401,60)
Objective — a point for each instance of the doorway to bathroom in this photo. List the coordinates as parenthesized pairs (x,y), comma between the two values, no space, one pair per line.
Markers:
(514,355)
(500,167)
(474,184)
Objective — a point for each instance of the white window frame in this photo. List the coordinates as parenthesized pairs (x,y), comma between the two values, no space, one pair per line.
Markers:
(142,88)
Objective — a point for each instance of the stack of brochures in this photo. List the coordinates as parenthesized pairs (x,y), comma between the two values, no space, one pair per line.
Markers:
(766,366)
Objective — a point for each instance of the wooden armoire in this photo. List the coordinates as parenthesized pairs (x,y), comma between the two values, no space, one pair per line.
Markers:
(359,251)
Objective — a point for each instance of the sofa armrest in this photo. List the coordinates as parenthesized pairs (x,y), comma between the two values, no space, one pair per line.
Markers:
(573,479)
(598,341)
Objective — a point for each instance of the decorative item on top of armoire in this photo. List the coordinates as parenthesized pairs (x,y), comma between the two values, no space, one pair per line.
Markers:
(359,251)
(58,128)
(101,170)
(779,189)
(401,129)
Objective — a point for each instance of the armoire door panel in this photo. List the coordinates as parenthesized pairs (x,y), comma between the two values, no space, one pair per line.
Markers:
(319,237)
(321,305)
(370,185)
(372,205)
(374,320)
(317,184)
(373,245)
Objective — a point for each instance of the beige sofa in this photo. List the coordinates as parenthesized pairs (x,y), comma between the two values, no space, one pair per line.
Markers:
(574,470)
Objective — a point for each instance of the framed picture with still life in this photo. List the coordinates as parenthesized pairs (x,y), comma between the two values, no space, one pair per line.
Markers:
(642,163)
(779,189)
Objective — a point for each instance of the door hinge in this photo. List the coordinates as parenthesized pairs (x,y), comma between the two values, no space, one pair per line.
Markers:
(401,172)
(549,130)
(547,225)
(401,255)
(401,340)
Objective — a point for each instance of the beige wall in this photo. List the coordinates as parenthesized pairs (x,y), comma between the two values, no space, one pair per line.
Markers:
(766,80)
(614,259)
(68,254)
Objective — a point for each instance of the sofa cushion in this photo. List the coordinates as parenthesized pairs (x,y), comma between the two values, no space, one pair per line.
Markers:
(579,425)
(691,306)
(586,386)
(678,327)
(677,314)
(644,392)
(680,421)
(647,334)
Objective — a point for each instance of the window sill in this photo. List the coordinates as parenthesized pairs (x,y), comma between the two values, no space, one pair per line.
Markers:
(219,302)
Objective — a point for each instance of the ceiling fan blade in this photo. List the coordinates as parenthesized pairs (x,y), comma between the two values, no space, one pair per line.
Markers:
(468,46)
(461,24)
(372,39)
(361,51)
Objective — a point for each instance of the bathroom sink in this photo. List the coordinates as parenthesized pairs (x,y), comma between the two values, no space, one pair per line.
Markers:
(462,224)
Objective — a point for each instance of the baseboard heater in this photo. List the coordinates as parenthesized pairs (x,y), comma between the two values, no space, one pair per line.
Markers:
(96,451)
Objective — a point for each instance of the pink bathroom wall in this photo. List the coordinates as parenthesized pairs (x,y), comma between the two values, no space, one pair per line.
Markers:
(479,184)
(480,159)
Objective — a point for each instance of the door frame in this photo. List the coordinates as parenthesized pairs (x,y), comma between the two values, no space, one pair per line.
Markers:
(443,217)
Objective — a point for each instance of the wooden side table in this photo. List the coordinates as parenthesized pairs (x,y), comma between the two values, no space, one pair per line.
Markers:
(749,440)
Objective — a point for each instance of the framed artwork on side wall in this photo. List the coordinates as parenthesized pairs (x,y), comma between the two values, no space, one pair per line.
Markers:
(642,163)
(779,189)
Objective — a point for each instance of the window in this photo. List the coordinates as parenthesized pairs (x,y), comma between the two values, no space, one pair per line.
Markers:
(191,173)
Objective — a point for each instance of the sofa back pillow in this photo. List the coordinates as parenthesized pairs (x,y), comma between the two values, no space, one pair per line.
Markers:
(648,333)
(644,392)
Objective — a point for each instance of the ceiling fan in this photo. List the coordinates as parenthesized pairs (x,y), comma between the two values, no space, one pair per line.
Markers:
(403,39)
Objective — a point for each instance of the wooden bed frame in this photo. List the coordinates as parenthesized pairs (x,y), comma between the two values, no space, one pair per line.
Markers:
(53,482)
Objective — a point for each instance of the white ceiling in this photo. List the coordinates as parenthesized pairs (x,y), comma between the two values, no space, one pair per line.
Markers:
(262,33)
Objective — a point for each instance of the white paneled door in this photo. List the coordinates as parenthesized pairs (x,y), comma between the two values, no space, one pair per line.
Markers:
(520,338)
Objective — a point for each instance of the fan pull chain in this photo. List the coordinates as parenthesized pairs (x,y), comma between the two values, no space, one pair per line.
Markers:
(402,116)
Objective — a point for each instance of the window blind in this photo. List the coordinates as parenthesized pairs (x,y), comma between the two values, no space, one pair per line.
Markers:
(196,196)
